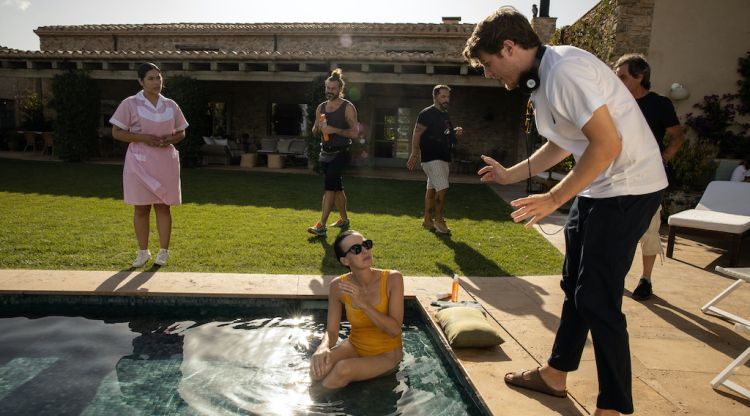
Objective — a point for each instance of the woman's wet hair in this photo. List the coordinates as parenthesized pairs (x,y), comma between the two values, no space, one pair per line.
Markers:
(144,68)
(337,244)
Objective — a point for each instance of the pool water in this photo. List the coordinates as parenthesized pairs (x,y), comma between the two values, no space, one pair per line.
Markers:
(220,358)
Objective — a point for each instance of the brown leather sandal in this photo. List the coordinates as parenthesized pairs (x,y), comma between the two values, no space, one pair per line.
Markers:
(532,380)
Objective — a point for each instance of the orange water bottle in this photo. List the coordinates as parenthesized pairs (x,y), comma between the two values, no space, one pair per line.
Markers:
(454,288)
(323,122)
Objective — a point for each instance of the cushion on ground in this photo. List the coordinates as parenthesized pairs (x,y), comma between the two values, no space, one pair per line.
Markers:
(710,220)
(467,327)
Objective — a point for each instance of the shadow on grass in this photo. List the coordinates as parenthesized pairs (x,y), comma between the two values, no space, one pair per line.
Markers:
(470,261)
(240,188)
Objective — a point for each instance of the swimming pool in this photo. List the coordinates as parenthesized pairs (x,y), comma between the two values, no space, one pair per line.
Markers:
(94,355)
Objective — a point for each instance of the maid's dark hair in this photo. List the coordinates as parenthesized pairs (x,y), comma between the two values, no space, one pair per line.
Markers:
(144,68)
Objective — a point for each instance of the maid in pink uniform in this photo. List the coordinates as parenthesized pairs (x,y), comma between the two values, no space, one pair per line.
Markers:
(152,124)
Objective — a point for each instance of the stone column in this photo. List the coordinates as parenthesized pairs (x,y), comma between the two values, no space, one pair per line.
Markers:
(544,27)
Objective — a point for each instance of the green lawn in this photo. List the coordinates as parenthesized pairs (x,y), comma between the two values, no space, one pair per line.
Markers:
(71,216)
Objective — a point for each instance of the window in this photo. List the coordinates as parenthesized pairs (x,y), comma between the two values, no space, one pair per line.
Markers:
(288,119)
(7,115)
(392,133)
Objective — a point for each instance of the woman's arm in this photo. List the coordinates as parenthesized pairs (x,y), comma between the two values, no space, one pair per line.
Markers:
(390,323)
(331,336)
(175,138)
(129,137)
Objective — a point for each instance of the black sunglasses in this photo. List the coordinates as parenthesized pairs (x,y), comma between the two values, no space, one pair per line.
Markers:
(357,248)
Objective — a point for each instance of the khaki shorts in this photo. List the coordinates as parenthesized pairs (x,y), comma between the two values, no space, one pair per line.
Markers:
(650,242)
(437,174)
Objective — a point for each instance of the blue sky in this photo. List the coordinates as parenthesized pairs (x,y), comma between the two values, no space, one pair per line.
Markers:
(18,18)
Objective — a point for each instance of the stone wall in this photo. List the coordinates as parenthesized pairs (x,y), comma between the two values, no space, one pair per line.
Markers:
(261,42)
(633,27)
(544,27)
(611,29)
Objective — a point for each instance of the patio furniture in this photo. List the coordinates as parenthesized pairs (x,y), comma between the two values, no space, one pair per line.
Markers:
(48,145)
(248,160)
(220,150)
(30,138)
(722,379)
(743,276)
(268,145)
(723,209)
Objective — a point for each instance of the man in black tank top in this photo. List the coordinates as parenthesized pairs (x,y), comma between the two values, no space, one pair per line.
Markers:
(336,122)
(635,72)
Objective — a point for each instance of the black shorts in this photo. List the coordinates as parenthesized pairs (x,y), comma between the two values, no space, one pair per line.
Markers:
(333,171)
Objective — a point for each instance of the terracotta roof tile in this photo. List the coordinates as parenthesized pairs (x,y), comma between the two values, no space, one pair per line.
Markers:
(462,29)
(235,55)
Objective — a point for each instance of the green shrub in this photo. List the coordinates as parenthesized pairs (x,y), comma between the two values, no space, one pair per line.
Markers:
(191,96)
(694,165)
(77,104)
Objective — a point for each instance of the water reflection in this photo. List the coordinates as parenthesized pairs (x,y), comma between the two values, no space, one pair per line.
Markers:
(204,366)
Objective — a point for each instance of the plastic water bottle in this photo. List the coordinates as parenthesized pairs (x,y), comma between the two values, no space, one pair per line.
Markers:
(323,122)
(454,288)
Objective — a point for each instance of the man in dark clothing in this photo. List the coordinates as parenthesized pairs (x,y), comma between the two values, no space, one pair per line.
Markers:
(434,137)
(635,72)
(336,121)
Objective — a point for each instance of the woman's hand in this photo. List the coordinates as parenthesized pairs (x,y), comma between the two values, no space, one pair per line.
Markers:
(321,360)
(357,294)
(152,141)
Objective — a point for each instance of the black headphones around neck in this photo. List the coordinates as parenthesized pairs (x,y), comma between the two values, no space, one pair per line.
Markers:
(530,80)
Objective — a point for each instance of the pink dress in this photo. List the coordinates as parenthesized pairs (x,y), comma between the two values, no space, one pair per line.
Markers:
(151,175)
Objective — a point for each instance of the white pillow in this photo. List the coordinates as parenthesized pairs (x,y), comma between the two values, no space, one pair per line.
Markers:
(208,140)
(220,142)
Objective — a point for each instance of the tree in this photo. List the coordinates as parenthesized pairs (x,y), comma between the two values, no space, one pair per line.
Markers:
(191,96)
(77,104)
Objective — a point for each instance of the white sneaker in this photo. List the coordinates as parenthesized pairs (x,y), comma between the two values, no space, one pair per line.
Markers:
(161,257)
(141,257)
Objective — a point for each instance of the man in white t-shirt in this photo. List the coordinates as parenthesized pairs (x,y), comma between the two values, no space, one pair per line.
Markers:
(582,109)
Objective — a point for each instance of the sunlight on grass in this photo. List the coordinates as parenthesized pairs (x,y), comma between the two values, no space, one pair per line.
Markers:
(71,216)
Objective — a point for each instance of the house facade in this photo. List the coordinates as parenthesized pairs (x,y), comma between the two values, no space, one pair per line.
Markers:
(259,77)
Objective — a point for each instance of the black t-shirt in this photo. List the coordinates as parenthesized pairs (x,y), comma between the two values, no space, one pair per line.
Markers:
(438,138)
(660,115)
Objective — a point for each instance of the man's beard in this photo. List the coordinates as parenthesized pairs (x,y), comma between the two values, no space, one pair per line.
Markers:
(330,96)
(444,106)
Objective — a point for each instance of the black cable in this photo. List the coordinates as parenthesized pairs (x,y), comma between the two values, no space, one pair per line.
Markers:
(527,127)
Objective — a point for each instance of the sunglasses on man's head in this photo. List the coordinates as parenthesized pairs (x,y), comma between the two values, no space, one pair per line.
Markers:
(357,248)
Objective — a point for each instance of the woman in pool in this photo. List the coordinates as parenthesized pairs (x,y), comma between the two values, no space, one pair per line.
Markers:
(152,124)
(374,302)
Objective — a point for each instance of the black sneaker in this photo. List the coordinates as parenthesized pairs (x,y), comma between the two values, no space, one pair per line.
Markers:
(643,290)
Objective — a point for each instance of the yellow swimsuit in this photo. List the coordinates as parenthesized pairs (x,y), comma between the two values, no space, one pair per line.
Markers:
(367,338)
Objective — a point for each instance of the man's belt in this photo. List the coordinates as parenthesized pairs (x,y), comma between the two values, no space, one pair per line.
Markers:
(331,149)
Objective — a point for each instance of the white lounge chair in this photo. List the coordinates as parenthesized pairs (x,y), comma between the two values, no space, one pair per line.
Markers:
(724,209)
(743,276)
(722,379)
(740,324)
